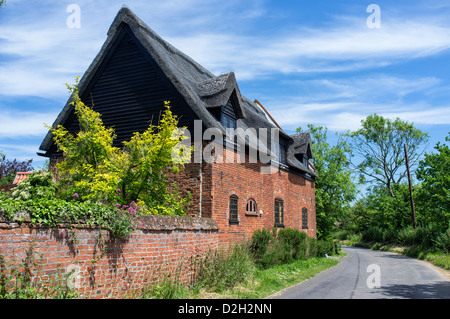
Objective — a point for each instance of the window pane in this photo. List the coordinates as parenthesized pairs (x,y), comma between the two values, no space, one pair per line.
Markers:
(305,218)
(279,216)
(233,209)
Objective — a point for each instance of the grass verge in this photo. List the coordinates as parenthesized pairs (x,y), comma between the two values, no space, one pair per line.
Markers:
(438,259)
(261,284)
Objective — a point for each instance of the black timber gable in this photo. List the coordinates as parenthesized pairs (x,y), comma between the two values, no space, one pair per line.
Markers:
(136,71)
(129,89)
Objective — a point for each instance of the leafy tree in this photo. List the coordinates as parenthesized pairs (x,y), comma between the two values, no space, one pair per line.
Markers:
(434,195)
(90,168)
(334,187)
(95,170)
(9,169)
(2,3)
(380,146)
(385,211)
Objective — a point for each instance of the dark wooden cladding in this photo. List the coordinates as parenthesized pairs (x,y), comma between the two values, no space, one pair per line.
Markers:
(129,91)
(230,109)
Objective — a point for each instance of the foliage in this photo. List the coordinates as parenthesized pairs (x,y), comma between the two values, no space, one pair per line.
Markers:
(9,169)
(51,212)
(286,246)
(37,185)
(221,270)
(334,188)
(148,157)
(434,194)
(98,171)
(380,146)
(379,208)
(25,280)
(423,237)
(91,165)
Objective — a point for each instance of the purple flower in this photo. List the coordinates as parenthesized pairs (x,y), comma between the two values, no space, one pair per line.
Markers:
(117,205)
(75,195)
(118,190)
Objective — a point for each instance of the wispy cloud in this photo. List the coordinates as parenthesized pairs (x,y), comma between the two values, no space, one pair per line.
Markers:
(39,56)
(20,124)
(341,104)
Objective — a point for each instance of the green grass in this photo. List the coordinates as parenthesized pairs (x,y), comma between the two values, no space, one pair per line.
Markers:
(261,284)
(269,281)
(255,269)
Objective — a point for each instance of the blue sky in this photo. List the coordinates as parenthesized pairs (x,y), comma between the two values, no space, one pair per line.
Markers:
(312,62)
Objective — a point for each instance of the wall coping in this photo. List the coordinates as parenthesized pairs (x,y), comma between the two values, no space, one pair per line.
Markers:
(149,222)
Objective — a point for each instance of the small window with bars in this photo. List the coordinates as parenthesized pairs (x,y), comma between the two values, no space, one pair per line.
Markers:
(304,218)
(279,213)
(234,217)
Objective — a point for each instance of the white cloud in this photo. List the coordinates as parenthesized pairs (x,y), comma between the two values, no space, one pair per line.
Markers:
(341,104)
(22,124)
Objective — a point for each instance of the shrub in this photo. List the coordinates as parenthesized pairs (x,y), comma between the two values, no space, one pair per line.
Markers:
(260,243)
(50,212)
(37,185)
(98,171)
(225,269)
(372,234)
(325,247)
(442,242)
(286,246)
(294,245)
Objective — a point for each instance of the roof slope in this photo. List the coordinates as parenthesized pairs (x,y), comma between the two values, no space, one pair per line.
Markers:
(200,88)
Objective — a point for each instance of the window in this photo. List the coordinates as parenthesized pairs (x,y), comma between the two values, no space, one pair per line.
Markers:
(305,160)
(228,119)
(234,218)
(250,209)
(280,150)
(304,218)
(279,213)
(282,154)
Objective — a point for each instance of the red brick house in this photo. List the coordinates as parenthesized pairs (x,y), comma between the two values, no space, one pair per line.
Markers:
(256,176)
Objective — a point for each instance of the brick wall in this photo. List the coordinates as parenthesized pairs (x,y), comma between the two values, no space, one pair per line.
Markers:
(246,181)
(161,245)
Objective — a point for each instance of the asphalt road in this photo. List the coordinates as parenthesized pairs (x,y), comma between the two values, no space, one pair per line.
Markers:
(370,274)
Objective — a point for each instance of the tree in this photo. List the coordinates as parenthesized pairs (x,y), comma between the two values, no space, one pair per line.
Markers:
(334,186)
(2,3)
(9,169)
(380,146)
(434,195)
(95,170)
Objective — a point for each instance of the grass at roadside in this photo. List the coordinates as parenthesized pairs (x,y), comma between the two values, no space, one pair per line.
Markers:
(262,266)
(262,283)
(436,258)
(269,281)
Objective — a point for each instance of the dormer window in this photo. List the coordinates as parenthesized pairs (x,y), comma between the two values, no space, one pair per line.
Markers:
(282,154)
(305,160)
(229,124)
(228,119)
(281,151)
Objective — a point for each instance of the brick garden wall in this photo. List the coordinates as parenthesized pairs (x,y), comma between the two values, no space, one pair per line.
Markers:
(161,245)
